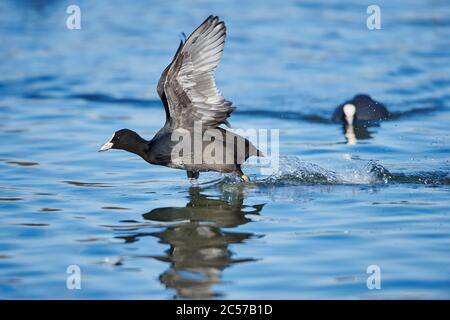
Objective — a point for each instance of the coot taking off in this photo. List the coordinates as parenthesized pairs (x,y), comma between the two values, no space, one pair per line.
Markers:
(191,138)
(361,108)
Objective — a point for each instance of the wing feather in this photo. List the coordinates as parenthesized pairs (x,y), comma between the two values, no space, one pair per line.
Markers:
(189,85)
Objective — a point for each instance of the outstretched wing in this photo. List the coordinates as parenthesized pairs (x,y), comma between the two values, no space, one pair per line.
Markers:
(162,80)
(188,84)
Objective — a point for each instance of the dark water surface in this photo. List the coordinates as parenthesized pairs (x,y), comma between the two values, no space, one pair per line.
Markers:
(308,231)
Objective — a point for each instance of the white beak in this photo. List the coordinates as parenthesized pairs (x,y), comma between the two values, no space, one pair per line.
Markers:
(349,112)
(108,145)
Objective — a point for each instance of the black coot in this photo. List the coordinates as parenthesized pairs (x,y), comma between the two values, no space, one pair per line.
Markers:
(357,115)
(194,111)
(359,109)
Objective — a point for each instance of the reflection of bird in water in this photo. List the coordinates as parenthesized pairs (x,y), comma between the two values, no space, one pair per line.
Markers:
(355,132)
(357,115)
(198,245)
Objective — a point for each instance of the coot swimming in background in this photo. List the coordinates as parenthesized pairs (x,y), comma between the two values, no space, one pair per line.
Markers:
(357,114)
(194,111)
(361,108)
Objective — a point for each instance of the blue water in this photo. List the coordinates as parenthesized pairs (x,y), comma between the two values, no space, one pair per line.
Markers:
(309,231)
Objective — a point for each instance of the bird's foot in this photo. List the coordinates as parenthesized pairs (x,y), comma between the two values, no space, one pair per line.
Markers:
(248,183)
(193,181)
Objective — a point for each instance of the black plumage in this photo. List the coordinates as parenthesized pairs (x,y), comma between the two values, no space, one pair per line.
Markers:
(366,109)
(194,110)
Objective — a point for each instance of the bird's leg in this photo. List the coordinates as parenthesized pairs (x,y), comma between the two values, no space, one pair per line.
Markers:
(243,176)
(193,181)
(193,176)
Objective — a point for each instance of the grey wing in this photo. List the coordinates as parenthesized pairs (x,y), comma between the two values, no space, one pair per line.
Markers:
(189,87)
(162,80)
